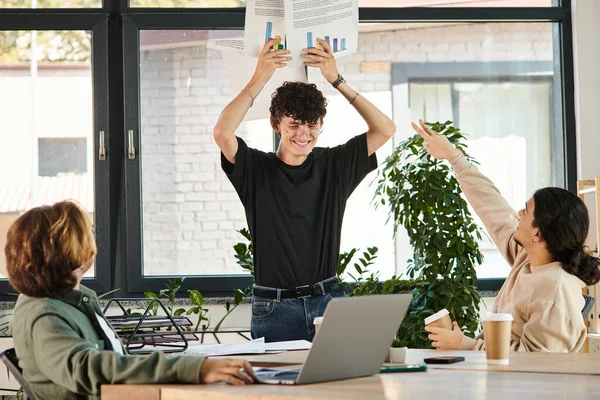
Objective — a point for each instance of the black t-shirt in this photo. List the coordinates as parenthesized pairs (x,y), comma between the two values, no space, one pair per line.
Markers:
(295,213)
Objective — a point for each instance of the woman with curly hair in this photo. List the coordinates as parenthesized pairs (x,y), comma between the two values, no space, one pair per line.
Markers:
(295,198)
(66,347)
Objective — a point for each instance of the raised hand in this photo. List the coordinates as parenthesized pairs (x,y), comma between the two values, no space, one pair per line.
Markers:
(436,145)
(236,372)
(269,60)
(322,59)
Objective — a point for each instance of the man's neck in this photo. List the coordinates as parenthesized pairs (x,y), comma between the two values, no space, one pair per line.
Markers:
(79,276)
(539,256)
(290,159)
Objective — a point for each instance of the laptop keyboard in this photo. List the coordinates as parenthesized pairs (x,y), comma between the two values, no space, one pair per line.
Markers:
(274,374)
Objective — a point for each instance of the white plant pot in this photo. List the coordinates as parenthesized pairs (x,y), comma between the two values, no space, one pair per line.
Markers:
(397,355)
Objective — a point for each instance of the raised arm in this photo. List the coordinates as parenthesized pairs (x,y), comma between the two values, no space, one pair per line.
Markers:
(233,114)
(497,215)
(380,127)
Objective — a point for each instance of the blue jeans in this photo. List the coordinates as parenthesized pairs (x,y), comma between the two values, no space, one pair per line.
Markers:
(288,319)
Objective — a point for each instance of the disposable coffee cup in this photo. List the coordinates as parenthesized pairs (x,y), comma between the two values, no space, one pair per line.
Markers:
(440,319)
(496,331)
(317,322)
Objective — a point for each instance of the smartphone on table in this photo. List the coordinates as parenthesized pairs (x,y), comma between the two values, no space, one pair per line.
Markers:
(443,360)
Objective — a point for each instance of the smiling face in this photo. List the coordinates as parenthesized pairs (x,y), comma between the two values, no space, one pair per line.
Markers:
(297,139)
(297,112)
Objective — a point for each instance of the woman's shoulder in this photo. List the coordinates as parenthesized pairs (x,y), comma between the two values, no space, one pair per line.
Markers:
(28,310)
(556,286)
(32,307)
(555,274)
(547,282)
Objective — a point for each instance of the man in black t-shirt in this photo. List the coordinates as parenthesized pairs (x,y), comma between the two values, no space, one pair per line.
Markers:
(295,198)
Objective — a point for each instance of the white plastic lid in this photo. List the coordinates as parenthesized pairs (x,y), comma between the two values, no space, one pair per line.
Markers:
(434,317)
(318,320)
(498,317)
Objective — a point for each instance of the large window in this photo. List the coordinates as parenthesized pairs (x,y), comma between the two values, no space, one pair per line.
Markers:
(50,109)
(46,103)
(141,157)
(496,81)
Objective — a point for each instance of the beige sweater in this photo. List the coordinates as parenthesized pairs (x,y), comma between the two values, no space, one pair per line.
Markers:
(545,301)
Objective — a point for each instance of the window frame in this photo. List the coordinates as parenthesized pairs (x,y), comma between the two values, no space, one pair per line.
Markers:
(115,63)
(95,21)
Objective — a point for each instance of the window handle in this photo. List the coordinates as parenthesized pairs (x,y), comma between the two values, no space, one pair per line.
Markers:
(102,148)
(131,151)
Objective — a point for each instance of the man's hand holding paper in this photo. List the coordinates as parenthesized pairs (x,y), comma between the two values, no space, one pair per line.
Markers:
(269,60)
(322,59)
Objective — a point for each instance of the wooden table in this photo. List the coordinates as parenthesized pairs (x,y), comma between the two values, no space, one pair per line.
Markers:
(548,363)
(533,376)
(558,363)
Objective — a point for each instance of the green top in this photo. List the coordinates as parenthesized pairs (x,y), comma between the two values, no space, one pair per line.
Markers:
(65,354)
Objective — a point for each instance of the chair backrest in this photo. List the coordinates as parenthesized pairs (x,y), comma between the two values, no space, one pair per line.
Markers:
(587,307)
(9,358)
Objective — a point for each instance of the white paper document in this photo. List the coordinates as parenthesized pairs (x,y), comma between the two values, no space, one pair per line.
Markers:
(298,23)
(289,345)
(335,21)
(256,346)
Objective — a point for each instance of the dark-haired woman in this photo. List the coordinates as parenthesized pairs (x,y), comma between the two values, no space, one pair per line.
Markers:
(66,347)
(295,198)
(543,243)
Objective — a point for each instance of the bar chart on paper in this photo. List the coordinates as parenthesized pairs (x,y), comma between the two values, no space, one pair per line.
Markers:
(269,35)
(337,44)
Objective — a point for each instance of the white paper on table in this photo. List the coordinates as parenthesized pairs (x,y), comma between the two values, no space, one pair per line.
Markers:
(256,346)
(264,20)
(233,45)
(288,345)
(240,69)
(335,21)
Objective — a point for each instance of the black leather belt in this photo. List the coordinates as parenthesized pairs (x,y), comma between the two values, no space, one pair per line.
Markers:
(299,291)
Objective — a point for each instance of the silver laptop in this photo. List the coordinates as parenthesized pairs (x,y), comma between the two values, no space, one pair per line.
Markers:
(353,341)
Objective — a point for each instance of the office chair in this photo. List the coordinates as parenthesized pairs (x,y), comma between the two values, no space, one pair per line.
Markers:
(9,358)
(587,307)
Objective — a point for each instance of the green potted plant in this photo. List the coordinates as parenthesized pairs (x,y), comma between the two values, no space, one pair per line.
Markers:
(424,197)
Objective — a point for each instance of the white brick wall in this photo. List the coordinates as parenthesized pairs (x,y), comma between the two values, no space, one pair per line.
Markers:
(191,211)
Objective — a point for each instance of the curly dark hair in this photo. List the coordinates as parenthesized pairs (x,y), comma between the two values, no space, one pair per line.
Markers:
(301,101)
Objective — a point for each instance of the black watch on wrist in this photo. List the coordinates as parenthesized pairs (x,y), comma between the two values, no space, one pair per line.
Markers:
(340,79)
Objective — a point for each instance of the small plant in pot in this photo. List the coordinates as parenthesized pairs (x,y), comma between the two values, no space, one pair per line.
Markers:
(424,198)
